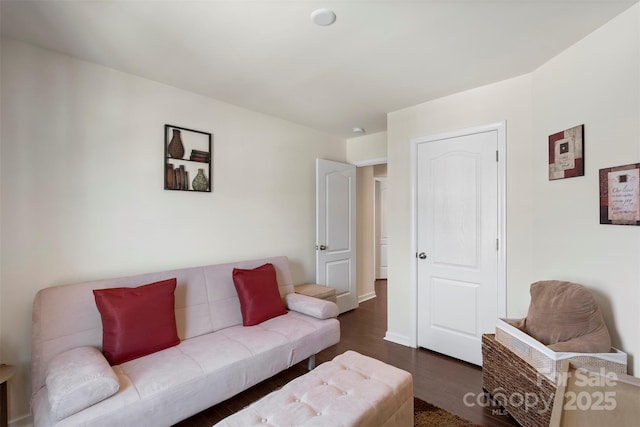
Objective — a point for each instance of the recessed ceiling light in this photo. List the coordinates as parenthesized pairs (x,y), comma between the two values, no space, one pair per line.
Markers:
(323,17)
(358,130)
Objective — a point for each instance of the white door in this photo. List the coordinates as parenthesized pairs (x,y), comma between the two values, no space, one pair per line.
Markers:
(336,230)
(457,225)
(382,239)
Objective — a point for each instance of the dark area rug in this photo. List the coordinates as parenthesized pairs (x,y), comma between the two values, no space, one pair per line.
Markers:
(428,415)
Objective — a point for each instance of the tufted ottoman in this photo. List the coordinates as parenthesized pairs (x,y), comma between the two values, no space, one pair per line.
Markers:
(350,390)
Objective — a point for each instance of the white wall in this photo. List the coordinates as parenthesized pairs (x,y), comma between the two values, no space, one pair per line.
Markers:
(553,228)
(366,148)
(596,83)
(82,186)
(509,100)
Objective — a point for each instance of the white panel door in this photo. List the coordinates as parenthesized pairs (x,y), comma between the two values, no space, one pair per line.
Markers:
(336,230)
(382,239)
(457,231)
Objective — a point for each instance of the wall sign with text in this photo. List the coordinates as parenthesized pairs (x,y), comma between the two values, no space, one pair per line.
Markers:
(566,153)
(620,195)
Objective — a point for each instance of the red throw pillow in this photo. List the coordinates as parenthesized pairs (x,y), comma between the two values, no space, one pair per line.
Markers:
(258,293)
(137,321)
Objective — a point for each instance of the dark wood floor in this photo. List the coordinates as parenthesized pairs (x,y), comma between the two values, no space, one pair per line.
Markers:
(437,379)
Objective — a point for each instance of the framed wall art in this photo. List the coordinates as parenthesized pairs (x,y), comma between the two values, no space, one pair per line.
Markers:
(620,195)
(566,153)
(187,159)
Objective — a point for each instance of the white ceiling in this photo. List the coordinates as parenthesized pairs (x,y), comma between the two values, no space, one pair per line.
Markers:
(265,55)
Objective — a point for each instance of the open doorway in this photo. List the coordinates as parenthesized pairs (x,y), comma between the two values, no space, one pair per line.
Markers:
(368,216)
(381,239)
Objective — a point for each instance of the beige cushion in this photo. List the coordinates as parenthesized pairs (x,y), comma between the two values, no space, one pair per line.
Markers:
(565,317)
(77,379)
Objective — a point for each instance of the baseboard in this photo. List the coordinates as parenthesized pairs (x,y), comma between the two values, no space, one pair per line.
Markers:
(399,339)
(366,297)
(22,421)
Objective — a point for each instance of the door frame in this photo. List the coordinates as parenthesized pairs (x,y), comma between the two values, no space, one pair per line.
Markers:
(501,129)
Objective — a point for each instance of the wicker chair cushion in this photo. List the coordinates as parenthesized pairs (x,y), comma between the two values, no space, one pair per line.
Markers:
(565,317)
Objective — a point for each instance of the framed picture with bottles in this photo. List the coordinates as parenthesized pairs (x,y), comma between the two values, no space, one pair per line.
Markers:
(187,159)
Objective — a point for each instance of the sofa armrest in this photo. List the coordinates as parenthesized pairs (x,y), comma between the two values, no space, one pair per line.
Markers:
(310,306)
(79,378)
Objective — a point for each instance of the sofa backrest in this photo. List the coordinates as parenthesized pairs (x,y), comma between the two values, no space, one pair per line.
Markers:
(65,317)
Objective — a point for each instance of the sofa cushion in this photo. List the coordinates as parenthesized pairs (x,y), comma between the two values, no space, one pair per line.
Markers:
(258,294)
(77,379)
(137,321)
(565,317)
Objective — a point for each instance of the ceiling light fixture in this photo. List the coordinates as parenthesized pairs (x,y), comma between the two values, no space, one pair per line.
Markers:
(358,130)
(323,17)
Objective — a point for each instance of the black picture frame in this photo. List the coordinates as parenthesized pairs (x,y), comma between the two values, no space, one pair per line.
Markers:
(566,153)
(620,195)
(187,154)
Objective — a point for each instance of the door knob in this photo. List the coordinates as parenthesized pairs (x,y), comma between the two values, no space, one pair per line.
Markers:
(321,247)
(422,255)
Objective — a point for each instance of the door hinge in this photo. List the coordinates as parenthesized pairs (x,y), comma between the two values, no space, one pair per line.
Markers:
(497,244)
(497,156)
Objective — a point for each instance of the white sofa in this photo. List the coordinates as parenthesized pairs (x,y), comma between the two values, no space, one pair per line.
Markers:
(217,357)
